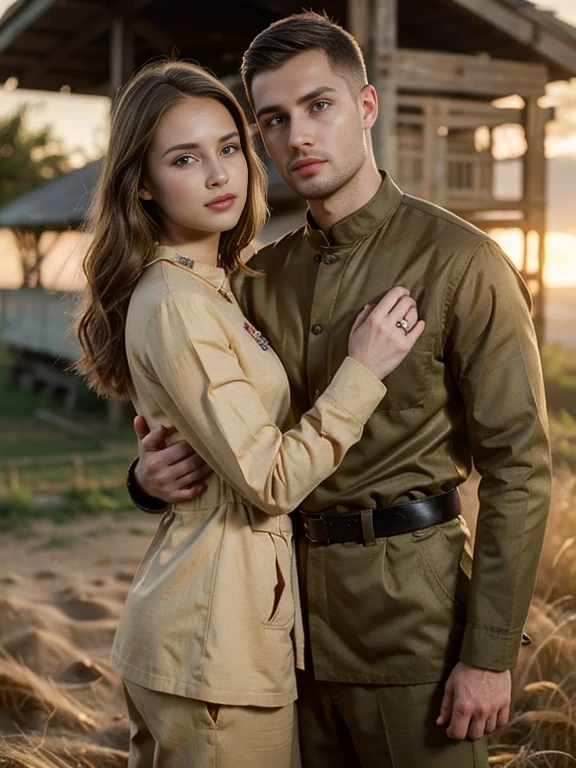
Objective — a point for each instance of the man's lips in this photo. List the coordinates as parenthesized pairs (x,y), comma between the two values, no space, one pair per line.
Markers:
(307,165)
(221,203)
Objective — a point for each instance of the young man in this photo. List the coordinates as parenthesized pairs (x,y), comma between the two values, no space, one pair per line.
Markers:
(408,659)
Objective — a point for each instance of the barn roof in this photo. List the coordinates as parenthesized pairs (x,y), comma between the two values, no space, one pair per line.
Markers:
(47,44)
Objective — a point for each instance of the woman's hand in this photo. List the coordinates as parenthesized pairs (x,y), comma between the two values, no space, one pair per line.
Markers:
(383,334)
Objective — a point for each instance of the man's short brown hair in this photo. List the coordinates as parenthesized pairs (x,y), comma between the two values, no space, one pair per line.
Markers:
(301,33)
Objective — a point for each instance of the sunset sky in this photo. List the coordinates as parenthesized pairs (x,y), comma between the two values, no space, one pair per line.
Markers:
(80,122)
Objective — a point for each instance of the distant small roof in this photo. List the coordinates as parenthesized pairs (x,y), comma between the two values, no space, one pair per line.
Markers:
(55,204)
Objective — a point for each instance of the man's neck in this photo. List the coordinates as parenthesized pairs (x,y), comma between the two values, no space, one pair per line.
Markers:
(348,199)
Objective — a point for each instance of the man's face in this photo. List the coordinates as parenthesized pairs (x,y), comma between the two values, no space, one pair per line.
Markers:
(315,130)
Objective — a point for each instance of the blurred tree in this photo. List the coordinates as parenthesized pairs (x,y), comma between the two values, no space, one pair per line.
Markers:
(27,158)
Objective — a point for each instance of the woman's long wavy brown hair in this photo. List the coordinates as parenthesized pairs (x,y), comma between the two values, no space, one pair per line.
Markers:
(124,227)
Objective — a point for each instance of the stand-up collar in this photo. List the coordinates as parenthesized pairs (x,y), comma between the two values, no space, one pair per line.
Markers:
(359,224)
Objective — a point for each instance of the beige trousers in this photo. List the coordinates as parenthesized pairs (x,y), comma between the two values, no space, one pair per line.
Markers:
(169,731)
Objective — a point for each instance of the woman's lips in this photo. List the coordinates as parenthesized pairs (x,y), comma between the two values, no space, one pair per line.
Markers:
(221,203)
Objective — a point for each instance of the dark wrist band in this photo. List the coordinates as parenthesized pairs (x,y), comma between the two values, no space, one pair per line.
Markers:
(140,498)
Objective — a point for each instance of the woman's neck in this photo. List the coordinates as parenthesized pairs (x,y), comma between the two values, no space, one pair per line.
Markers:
(203,249)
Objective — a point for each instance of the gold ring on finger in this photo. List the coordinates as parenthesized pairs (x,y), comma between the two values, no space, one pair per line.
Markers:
(404,324)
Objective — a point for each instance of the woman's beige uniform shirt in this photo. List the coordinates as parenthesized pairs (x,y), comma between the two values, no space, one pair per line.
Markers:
(212,613)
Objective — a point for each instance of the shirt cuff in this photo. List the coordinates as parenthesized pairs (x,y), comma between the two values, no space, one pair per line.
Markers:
(491,647)
(355,390)
(141,499)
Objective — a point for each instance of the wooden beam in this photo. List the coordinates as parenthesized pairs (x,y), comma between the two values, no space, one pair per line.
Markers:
(485,224)
(84,35)
(504,18)
(21,19)
(51,82)
(459,112)
(555,50)
(153,35)
(428,71)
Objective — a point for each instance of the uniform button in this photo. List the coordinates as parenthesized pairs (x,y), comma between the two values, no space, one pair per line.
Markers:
(318,258)
(317,329)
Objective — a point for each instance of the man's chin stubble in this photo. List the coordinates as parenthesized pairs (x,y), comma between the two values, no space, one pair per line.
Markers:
(317,190)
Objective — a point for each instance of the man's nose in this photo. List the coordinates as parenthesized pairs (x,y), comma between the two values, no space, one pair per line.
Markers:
(300,134)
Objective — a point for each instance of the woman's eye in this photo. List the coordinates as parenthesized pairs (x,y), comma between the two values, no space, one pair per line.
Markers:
(184,160)
(229,149)
(320,106)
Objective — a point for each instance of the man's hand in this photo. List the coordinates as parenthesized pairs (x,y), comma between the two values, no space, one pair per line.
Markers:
(476,701)
(174,473)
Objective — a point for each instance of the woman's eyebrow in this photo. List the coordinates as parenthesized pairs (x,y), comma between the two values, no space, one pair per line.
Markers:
(196,145)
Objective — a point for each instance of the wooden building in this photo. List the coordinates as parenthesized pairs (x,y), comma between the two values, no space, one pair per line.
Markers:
(438,66)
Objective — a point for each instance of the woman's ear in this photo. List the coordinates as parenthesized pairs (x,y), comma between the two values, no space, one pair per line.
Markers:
(143,193)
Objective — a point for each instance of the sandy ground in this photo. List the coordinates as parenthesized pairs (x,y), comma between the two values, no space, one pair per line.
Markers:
(61,592)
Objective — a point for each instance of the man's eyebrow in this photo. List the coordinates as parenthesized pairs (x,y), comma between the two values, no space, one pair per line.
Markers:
(302,100)
(179,147)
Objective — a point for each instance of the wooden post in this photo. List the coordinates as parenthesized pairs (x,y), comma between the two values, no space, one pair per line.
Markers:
(13,475)
(79,474)
(359,21)
(121,53)
(534,188)
(382,44)
(429,151)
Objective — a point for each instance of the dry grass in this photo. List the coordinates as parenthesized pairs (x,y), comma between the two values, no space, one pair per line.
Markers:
(49,725)
(44,727)
(542,729)
(58,753)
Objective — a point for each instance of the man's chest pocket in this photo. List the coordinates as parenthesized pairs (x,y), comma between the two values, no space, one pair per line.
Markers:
(408,385)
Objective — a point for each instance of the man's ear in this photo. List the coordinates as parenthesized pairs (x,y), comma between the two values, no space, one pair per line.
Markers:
(369,105)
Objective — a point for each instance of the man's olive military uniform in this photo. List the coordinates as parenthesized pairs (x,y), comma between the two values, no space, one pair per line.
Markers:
(388,618)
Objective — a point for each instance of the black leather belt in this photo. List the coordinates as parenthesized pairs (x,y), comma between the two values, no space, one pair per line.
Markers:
(366,526)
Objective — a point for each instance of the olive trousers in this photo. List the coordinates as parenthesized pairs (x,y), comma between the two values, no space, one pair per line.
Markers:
(344,725)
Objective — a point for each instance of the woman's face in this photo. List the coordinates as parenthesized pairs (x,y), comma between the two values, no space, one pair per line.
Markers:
(195,170)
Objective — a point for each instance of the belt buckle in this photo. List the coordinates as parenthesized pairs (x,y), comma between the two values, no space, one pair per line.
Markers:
(316,528)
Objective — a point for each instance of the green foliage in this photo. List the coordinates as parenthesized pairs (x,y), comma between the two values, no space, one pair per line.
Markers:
(559,366)
(27,158)
(90,500)
(19,502)
(58,541)
(563,437)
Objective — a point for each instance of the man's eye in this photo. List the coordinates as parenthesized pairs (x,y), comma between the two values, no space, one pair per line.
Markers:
(320,106)
(184,160)
(229,149)
(275,120)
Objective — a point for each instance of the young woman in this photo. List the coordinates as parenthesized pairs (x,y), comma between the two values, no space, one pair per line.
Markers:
(210,632)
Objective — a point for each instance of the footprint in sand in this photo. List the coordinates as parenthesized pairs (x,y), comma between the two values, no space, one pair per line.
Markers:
(80,672)
(84,609)
(126,576)
(11,579)
(44,575)
(41,650)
